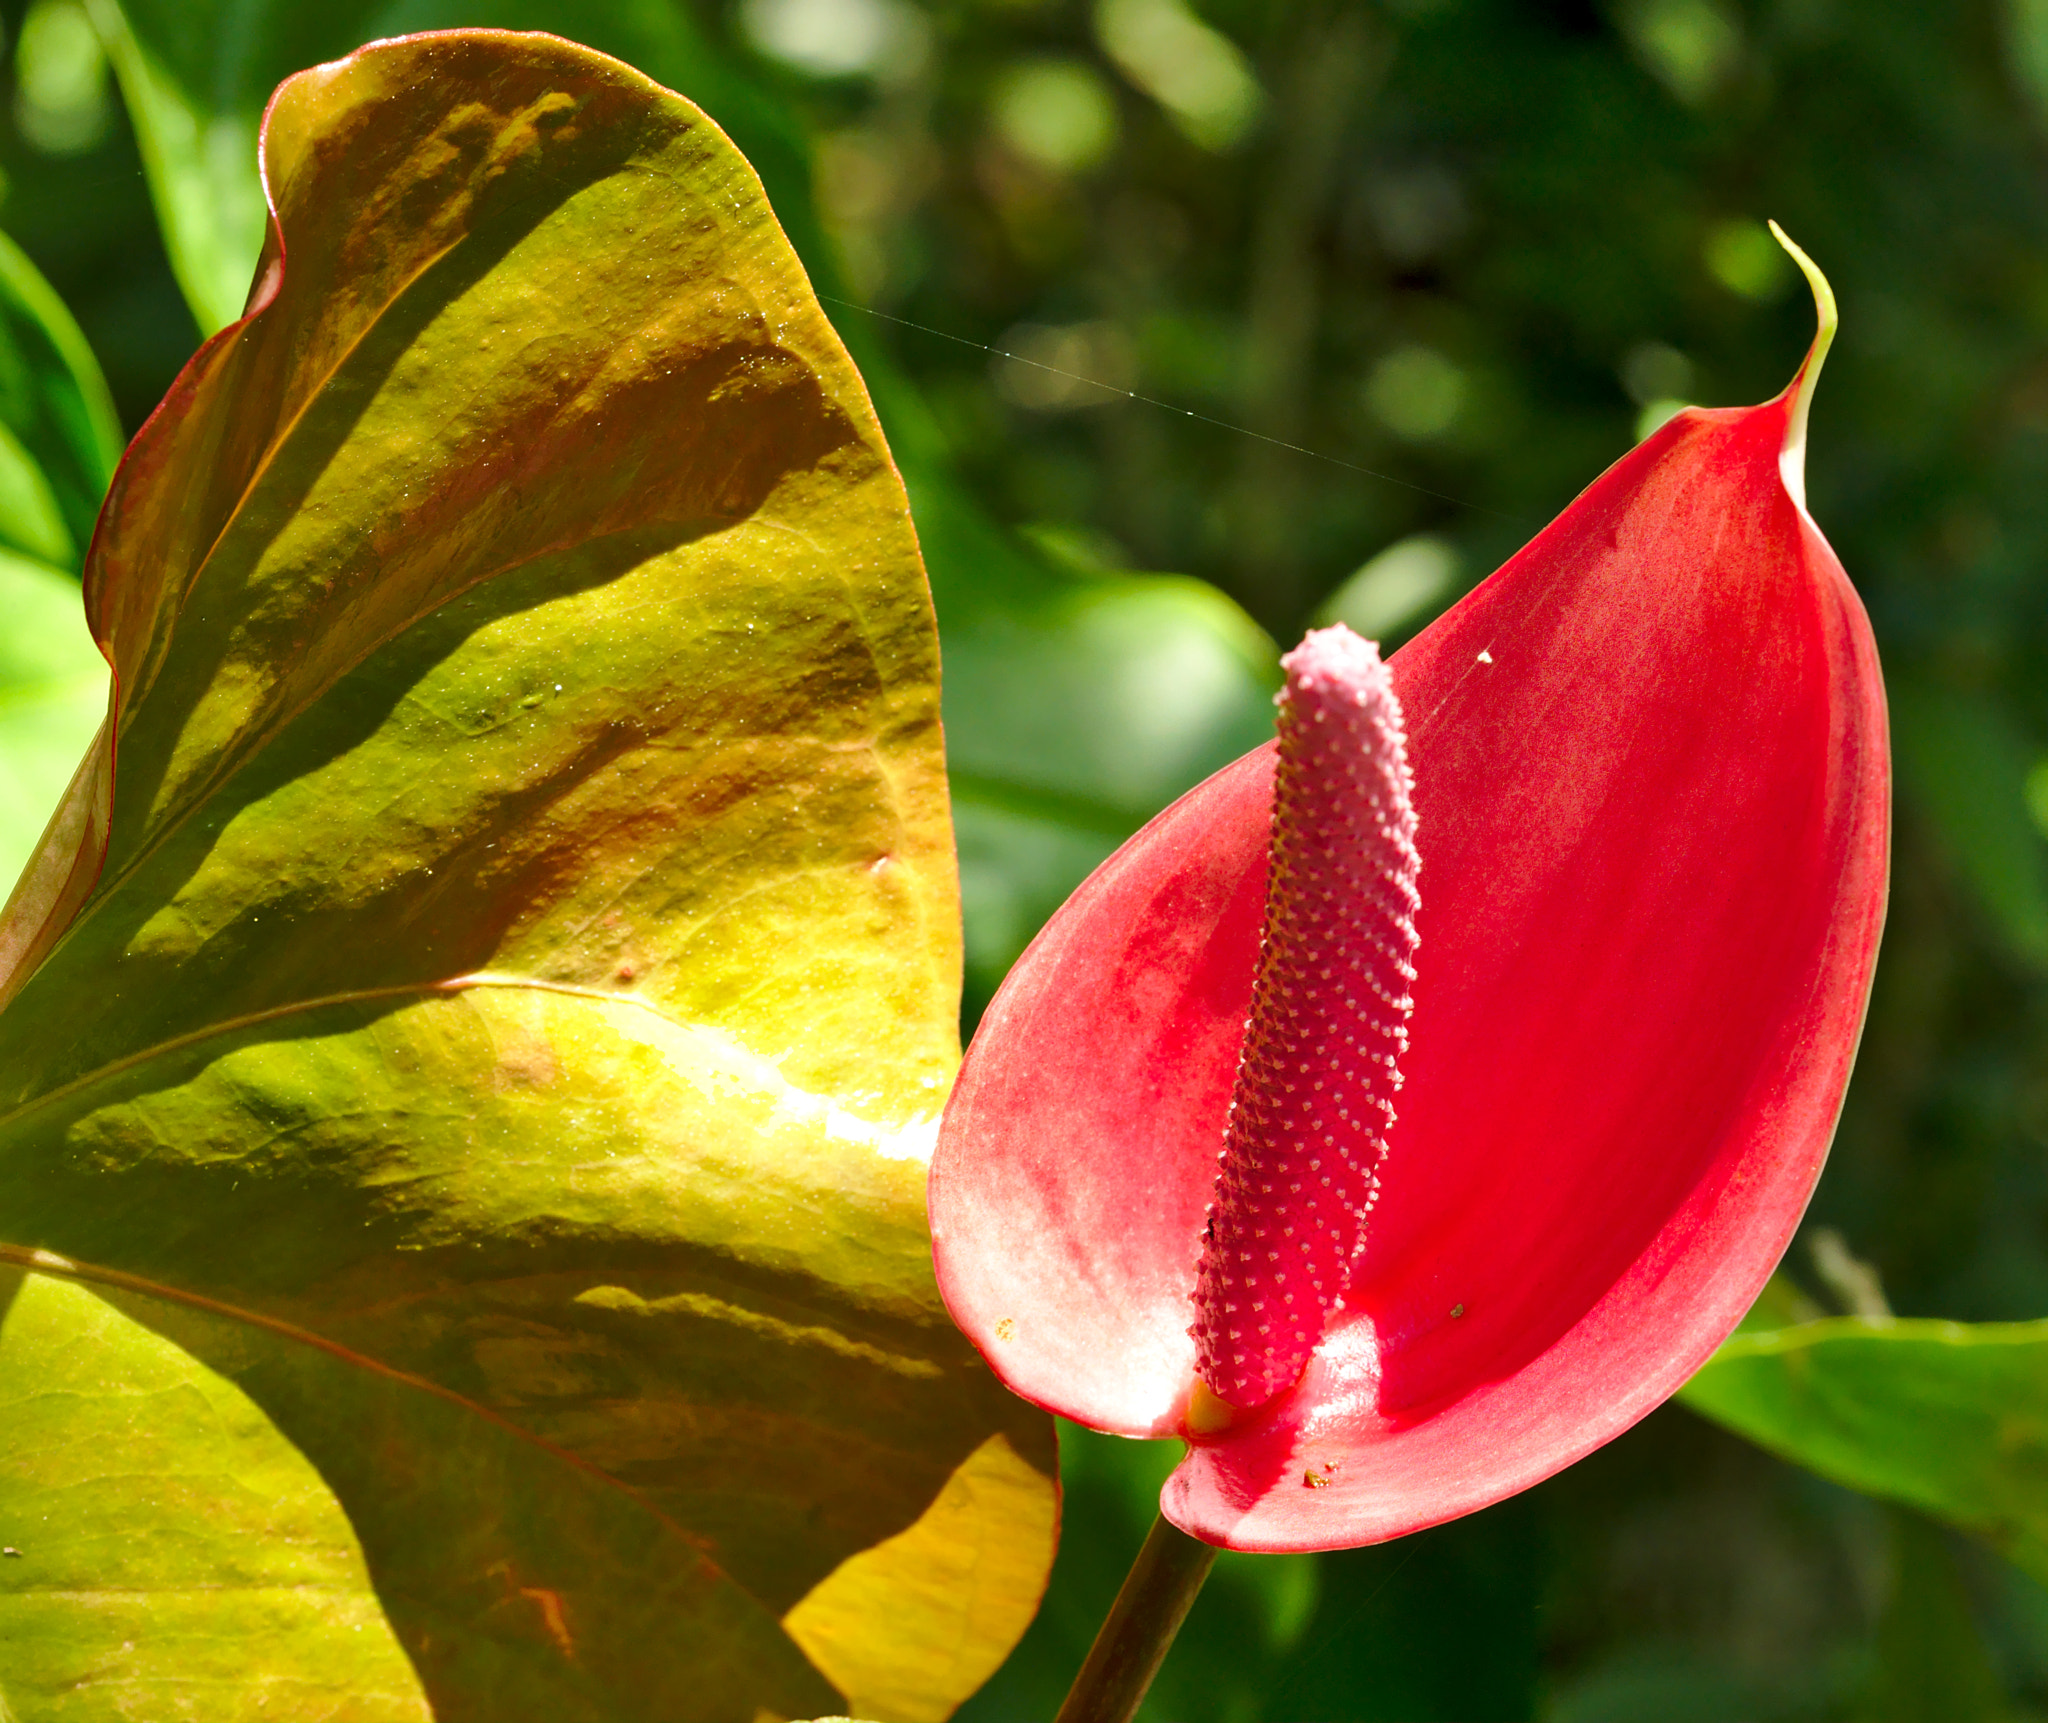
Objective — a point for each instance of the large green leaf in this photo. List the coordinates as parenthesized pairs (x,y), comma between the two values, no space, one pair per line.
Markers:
(59,438)
(501,1042)
(1947,1417)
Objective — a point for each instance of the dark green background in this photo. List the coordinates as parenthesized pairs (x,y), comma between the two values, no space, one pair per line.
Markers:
(1555,205)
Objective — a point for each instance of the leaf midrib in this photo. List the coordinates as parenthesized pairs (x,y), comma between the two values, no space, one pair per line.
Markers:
(357,996)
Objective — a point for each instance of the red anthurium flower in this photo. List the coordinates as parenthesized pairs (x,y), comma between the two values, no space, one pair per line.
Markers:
(1646,774)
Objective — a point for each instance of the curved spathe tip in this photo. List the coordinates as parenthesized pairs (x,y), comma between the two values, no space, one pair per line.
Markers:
(1793,461)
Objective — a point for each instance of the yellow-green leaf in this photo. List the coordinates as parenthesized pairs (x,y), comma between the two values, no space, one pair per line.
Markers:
(137,1476)
(504,1033)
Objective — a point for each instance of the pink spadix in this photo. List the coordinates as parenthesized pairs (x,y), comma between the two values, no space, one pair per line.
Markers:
(1314,1096)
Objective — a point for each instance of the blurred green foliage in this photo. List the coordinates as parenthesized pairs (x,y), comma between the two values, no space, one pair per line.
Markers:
(1949,1417)
(53,694)
(1466,251)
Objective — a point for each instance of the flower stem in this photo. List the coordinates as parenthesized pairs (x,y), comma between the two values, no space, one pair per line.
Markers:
(1140,1627)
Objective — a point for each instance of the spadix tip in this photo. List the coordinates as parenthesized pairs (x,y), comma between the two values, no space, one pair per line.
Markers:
(1335,659)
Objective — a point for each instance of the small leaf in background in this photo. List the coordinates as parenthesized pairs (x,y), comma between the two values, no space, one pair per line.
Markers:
(503,1040)
(1195,72)
(59,438)
(2026,24)
(1118,691)
(63,106)
(1398,590)
(53,696)
(1932,1666)
(198,148)
(1078,703)
(1965,764)
(1948,1418)
(58,444)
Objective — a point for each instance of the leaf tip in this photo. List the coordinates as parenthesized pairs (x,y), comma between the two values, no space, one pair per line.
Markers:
(1792,462)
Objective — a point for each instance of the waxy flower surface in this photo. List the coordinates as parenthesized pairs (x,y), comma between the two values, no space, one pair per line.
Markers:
(1650,797)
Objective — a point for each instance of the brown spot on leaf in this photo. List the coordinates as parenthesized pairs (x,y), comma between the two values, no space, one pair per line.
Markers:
(552,1618)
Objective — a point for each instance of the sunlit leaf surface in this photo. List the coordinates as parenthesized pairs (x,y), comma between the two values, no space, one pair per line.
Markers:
(115,1436)
(503,1038)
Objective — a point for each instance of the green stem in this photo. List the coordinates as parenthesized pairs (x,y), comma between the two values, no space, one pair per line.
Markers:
(1139,1630)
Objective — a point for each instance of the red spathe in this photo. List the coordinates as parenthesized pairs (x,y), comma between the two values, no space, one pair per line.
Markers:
(1652,783)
